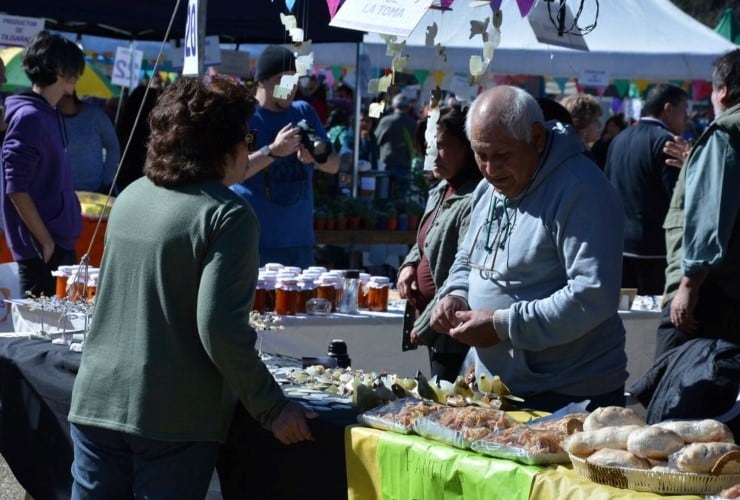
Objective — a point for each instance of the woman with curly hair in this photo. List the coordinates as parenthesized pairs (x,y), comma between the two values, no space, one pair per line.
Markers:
(170,349)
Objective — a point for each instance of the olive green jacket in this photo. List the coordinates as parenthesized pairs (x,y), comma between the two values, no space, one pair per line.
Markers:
(440,245)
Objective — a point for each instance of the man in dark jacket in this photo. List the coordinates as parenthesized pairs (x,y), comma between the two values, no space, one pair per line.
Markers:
(636,167)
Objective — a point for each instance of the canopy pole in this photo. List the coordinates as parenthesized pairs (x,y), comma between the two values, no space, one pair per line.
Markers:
(358,117)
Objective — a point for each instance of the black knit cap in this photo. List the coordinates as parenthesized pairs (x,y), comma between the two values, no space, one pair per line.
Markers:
(274,60)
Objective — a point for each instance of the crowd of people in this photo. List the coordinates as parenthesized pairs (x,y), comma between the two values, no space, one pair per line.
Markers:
(535,219)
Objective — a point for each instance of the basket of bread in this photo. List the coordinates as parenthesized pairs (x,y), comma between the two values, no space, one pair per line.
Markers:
(617,448)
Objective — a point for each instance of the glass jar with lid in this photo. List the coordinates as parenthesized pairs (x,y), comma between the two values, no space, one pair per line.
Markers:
(363,291)
(286,293)
(270,279)
(327,289)
(378,293)
(260,297)
(306,291)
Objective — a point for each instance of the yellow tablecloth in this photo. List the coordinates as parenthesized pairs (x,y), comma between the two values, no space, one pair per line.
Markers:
(386,465)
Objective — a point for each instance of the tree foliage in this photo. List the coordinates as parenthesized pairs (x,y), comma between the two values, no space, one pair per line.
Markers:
(708,12)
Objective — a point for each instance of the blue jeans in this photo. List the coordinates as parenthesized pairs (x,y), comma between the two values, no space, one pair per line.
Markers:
(110,465)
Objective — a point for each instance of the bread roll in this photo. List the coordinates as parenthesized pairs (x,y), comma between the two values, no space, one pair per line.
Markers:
(583,444)
(610,416)
(699,431)
(730,493)
(701,457)
(653,442)
(618,458)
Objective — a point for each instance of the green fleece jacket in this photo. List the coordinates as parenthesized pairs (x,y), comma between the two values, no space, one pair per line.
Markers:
(170,347)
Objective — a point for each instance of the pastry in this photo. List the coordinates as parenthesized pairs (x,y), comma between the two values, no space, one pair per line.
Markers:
(654,442)
(610,416)
(699,431)
(701,457)
(610,457)
(583,444)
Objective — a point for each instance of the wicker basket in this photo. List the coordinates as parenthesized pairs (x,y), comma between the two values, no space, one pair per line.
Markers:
(673,483)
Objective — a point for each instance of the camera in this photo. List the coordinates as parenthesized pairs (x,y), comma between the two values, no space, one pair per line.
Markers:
(319,148)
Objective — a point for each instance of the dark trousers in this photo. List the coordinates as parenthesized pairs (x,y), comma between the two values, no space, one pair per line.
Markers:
(647,275)
(35,274)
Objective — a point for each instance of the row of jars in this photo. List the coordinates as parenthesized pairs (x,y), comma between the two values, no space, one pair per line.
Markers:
(286,293)
(76,282)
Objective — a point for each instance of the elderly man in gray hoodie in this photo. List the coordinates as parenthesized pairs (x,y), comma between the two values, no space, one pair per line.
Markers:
(535,285)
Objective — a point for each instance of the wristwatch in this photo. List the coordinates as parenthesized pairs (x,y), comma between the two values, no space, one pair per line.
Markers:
(266,151)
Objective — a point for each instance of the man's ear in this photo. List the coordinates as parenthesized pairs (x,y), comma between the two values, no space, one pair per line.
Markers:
(722,94)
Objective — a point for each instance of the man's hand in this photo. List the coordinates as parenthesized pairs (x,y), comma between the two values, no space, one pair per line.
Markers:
(475,328)
(287,141)
(443,313)
(290,426)
(684,303)
(406,283)
(677,151)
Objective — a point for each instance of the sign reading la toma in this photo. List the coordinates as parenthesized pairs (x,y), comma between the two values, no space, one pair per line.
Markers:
(392,17)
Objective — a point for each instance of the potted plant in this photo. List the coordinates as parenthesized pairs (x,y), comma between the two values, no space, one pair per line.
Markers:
(391,221)
(403,221)
(414,211)
(355,208)
(319,219)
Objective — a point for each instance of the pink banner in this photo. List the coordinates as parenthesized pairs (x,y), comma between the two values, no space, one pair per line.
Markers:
(333,7)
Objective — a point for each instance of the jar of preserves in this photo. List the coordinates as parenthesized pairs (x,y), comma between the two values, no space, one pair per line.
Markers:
(378,293)
(327,289)
(286,293)
(362,293)
(270,282)
(306,292)
(260,297)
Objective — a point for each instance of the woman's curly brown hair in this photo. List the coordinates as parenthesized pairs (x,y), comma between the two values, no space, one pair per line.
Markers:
(194,127)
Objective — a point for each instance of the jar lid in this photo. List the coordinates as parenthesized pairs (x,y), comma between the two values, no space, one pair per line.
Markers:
(380,280)
(287,280)
(337,346)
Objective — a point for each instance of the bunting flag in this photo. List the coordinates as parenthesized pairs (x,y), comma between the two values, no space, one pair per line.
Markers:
(700,89)
(333,7)
(421,76)
(561,81)
(622,86)
(446,4)
(524,6)
(290,4)
(439,77)
(642,85)
(495,5)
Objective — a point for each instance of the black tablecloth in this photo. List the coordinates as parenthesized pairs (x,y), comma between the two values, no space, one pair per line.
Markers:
(36,379)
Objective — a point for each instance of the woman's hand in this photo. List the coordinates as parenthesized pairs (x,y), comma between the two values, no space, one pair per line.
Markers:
(290,426)
(406,283)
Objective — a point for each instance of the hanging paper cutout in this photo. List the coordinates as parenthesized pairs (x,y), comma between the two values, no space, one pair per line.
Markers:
(286,86)
(525,6)
(290,4)
(288,21)
(479,28)
(333,7)
(431,34)
(376,109)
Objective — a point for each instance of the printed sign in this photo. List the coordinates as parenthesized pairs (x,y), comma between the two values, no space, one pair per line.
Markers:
(126,67)
(234,62)
(392,17)
(211,55)
(190,46)
(593,78)
(16,30)
(545,30)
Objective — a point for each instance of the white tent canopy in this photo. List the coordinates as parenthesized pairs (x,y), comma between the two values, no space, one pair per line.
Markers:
(649,39)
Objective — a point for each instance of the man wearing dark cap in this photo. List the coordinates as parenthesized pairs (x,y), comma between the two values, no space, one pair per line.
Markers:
(279,183)
(395,135)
